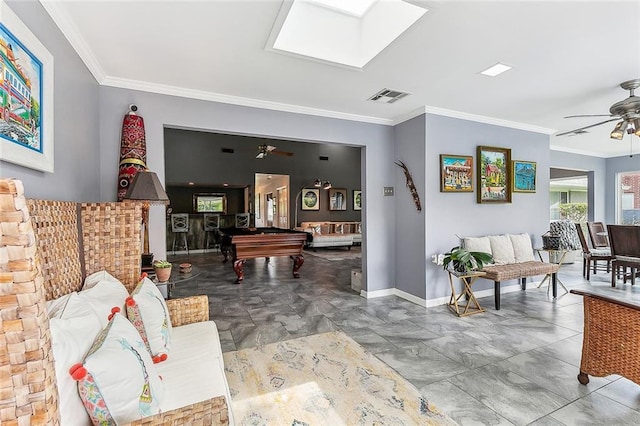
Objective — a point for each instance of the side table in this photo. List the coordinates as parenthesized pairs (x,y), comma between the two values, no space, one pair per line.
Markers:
(176,277)
(559,254)
(471,306)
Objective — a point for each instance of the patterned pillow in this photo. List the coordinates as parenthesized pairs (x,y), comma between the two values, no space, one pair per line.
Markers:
(117,380)
(147,311)
(568,234)
(339,228)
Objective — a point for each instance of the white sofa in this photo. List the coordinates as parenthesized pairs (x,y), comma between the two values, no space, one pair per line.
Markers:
(333,234)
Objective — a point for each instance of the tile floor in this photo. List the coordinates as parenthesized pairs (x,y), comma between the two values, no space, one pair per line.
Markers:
(513,366)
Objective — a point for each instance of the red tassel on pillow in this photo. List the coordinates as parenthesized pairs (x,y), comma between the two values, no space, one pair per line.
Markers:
(130,302)
(143,276)
(77,372)
(114,311)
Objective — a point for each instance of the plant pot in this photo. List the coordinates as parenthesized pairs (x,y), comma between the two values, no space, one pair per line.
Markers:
(163,274)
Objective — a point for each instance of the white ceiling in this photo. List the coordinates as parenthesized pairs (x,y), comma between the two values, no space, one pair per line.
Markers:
(568,57)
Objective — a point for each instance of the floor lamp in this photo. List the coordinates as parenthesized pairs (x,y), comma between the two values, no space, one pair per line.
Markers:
(146,187)
(317,183)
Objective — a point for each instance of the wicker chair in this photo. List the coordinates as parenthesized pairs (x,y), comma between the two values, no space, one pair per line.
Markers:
(611,341)
(40,259)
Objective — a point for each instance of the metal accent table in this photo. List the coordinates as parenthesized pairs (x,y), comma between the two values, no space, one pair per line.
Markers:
(471,306)
(562,253)
(175,278)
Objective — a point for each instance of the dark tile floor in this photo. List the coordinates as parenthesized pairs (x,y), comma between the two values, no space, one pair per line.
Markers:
(513,366)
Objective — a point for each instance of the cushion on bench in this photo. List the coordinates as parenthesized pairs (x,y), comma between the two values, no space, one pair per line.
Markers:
(519,270)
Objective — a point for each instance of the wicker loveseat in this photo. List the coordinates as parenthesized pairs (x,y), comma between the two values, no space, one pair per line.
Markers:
(46,247)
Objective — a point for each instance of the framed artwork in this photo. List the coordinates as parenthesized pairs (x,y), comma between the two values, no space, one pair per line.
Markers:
(310,199)
(456,173)
(524,176)
(26,95)
(357,199)
(494,174)
(337,199)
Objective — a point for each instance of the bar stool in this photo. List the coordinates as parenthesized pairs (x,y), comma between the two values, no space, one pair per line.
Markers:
(180,225)
(242,220)
(211,223)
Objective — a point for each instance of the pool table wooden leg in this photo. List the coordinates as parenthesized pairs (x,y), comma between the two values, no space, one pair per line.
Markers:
(238,269)
(297,264)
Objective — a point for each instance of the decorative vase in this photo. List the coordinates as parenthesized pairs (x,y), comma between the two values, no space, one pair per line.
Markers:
(163,274)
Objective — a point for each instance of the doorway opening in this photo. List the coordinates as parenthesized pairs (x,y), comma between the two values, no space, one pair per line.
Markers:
(271,202)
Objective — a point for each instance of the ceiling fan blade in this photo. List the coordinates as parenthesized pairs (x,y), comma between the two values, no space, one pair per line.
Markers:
(589,115)
(587,127)
(284,153)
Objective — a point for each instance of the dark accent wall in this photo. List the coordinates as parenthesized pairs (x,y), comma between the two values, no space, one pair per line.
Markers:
(198,157)
(181,198)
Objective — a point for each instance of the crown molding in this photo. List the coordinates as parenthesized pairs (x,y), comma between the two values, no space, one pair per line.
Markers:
(583,152)
(70,31)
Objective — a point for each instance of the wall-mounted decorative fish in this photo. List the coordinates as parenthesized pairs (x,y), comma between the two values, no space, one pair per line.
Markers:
(410,184)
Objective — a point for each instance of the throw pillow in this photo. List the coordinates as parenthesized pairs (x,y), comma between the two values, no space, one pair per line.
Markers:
(522,249)
(73,329)
(93,279)
(502,249)
(568,234)
(117,380)
(480,244)
(339,228)
(317,230)
(104,296)
(148,312)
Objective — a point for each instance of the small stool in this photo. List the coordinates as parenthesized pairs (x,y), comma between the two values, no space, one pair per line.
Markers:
(211,224)
(180,225)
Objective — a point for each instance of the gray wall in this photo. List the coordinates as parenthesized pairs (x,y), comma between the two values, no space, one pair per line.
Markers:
(194,156)
(76,119)
(451,214)
(410,223)
(160,111)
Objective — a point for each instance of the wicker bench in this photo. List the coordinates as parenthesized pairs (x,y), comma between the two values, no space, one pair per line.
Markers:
(513,271)
(44,255)
(514,259)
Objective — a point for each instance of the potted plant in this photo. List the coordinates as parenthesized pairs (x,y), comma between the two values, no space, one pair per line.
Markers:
(162,269)
(464,261)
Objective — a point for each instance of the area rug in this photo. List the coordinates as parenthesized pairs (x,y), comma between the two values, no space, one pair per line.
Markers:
(336,253)
(325,379)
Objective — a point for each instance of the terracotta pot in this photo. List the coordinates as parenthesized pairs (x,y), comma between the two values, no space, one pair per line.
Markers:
(163,274)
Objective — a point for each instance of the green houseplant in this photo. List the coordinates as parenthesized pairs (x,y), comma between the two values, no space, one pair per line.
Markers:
(162,269)
(463,260)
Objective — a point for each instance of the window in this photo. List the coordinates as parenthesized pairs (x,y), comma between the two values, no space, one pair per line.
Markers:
(628,195)
(210,203)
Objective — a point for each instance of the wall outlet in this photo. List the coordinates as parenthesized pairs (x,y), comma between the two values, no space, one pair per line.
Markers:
(388,191)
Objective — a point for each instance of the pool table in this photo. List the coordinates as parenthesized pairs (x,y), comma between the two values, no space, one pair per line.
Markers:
(250,243)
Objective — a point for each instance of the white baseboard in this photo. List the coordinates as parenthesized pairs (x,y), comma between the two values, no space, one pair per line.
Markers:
(437,301)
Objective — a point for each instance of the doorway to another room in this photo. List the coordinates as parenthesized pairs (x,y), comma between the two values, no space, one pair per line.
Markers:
(271,201)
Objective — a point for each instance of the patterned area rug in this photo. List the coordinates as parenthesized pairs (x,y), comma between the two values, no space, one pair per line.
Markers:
(336,253)
(325,379)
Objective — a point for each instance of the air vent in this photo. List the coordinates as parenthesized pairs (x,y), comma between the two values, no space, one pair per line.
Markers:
(324,158)
(228,150)
(388,96)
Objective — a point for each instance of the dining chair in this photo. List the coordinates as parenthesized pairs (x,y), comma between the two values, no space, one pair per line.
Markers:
(625,249)
(598,234)
(590,255)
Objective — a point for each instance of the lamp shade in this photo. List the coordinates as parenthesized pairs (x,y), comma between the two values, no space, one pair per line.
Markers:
(147,187)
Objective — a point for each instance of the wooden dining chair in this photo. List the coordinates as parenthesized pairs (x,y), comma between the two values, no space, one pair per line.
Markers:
(625,249)
(598,234)
(590,255)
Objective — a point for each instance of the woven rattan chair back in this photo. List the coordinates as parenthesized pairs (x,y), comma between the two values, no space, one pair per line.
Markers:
(598,234)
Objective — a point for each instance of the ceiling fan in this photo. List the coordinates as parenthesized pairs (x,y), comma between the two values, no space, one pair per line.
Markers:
(263,150)
(627,111)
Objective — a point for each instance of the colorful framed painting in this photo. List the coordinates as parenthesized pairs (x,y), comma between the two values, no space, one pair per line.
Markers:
(456,173)
(524,176)
(337,199)
(357,199)
(26,95)
(310,199)
(494,174)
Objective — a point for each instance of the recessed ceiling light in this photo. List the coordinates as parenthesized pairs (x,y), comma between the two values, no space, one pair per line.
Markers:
(225,184)
(496,69)
(191,183)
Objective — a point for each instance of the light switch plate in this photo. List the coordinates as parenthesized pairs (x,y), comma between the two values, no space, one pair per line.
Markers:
(388,191)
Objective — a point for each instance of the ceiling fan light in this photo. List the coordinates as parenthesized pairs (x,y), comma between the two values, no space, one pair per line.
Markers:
(618,131)
(636,126)
(317,183)
(326,185)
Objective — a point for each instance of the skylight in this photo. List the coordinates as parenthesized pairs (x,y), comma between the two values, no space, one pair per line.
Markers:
(341,32)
